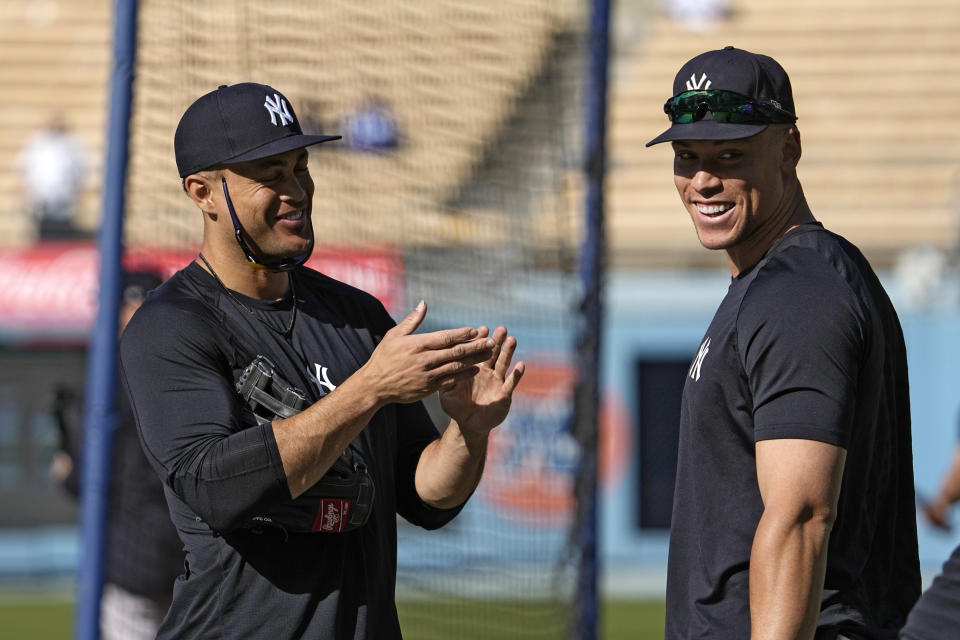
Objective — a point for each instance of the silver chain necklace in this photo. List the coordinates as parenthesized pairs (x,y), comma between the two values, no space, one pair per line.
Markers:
(253,312)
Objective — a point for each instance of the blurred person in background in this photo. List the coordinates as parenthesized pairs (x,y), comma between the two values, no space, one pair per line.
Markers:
(372,126)
(698,15)
(936,615)
(53,168)
(144,555)
(793,512)
(937,510)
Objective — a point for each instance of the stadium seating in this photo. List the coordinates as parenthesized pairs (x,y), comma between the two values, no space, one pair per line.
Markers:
(874,82)
(337,60)
(876,92)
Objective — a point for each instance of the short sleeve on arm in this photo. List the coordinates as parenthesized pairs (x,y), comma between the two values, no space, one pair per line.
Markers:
(800,340)
(180,386)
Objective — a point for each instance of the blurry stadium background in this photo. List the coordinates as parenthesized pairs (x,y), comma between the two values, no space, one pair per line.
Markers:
(477,205)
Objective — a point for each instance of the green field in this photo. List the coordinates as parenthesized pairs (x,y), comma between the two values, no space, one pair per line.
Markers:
(36,620)
(621,620)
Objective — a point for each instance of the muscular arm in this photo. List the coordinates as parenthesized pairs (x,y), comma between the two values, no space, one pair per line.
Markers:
(186,410)
(311,441)
(799,483)
(450,467)
(403,368)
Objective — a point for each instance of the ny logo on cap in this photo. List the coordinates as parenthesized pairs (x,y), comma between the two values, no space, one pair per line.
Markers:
(278,107)
(698,85)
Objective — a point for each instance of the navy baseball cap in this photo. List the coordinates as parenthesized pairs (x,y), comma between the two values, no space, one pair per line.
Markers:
(237,123)
(758,82)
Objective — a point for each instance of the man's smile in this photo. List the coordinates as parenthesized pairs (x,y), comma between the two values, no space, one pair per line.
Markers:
(717,209)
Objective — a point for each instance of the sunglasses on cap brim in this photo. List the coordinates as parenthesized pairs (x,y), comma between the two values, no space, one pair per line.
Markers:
(726,107)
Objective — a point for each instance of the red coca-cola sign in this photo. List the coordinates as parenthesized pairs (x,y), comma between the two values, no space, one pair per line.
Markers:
(50,289)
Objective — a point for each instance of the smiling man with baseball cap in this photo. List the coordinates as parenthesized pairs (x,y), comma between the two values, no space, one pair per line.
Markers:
(793,511)
(239,124)
(281,408)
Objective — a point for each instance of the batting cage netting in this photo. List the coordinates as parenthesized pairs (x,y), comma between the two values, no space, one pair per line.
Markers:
(458,181)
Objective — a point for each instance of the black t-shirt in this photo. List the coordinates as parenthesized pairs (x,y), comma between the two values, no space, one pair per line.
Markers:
(181,356)
(805,345)
(144,555)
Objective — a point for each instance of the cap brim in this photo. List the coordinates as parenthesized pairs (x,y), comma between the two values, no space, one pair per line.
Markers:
(281,145)
(708,130)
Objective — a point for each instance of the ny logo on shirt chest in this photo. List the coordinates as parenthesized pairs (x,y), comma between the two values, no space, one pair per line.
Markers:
(320,378)
(698,361)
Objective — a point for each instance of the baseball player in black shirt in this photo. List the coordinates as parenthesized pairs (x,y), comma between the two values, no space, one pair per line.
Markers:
(281,408)
(793,510)
(144,555)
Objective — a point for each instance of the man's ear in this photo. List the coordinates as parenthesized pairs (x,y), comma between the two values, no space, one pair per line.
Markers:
(200,190)
(791,150)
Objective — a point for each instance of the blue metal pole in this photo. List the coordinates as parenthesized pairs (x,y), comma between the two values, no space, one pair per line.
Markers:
(99,402)
(592,254)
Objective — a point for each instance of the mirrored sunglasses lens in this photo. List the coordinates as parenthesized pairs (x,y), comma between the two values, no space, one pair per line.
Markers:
(721,111)
(737,114)
(723,105)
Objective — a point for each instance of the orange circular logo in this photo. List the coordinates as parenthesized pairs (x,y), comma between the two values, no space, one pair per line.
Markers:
(533,456)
